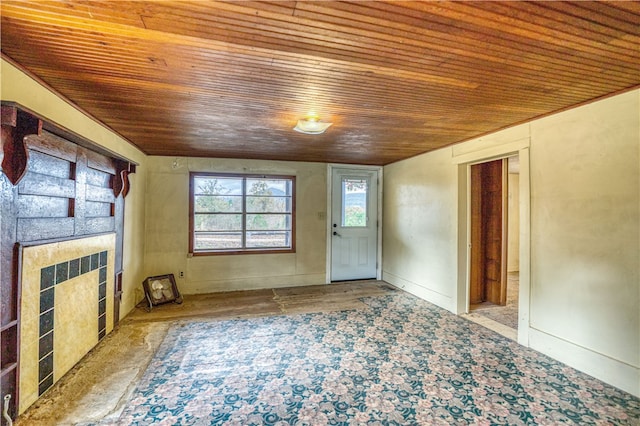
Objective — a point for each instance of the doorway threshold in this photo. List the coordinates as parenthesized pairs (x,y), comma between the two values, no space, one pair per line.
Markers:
(501,329)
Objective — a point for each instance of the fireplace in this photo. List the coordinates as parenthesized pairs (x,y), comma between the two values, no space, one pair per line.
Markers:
(66,308)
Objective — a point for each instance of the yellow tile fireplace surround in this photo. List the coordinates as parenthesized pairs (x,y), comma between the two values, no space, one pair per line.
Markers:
(66,308)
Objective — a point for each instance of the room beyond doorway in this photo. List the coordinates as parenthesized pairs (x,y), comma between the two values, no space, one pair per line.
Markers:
(506,315)
(494,280)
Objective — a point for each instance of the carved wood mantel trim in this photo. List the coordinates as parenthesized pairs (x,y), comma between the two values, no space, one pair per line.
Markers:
(19,122)
(16,125)
(121,178)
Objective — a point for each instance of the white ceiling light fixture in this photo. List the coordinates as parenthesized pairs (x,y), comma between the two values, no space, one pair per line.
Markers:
(311,125)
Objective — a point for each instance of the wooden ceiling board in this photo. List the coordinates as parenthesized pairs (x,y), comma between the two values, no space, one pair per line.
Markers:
(230,79)
(493,35)
(406,42)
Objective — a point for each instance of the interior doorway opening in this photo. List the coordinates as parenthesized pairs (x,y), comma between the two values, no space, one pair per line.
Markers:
(495,246)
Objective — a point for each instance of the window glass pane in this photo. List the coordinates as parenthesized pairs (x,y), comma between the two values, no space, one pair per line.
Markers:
(218,222)
(354,202)
(241,213)
(268,204)
(217,240)
(256,239)
(277,187)
(218,203)
(216,185)
(267,222)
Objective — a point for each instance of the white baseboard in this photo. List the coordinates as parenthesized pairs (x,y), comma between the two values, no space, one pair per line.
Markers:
(445,302)
(602,367)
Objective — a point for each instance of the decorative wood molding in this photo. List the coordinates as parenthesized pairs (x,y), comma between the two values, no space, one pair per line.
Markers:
(16,125)
(121,178)
(19,122)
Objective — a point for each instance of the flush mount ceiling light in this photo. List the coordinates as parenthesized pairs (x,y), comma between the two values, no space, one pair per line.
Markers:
(311,125)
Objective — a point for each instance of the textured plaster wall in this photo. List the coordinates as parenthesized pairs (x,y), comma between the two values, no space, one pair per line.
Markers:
(167,229)
(584,233)
(419,226)
(18,87)
(585,221)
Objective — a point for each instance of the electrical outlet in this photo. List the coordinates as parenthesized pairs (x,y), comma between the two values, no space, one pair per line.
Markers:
(181,274)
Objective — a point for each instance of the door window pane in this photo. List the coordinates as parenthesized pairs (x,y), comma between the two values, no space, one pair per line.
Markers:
(354,202)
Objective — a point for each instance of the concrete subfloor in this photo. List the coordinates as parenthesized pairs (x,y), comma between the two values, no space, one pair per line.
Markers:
(98,387)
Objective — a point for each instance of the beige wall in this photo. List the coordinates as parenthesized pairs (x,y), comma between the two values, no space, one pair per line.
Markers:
(419,226)
(585,196)
(584,231)
(18,87)
(167,229)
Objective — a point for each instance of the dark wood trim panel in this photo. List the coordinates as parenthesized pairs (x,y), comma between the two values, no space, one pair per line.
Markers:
(121,179)
(16,125)
(488,260)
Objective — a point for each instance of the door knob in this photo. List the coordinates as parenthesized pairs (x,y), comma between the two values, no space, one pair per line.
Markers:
(335,233)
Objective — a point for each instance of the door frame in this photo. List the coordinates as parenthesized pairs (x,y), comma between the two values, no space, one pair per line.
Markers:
(464,161)
(378,173)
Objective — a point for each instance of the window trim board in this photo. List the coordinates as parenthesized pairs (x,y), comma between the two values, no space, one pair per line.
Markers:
(261,250)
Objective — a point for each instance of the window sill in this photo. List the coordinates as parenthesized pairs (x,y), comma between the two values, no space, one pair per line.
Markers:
(240,252)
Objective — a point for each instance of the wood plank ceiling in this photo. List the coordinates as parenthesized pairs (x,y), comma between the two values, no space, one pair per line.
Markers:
(230,79)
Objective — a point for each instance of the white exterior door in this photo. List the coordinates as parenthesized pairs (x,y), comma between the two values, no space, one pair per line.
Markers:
(354,224)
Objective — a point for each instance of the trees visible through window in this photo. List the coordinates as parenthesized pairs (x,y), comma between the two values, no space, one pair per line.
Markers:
(241,213)
(354,203)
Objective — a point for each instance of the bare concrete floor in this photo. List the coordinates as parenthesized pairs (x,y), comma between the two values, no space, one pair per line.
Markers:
(97,388)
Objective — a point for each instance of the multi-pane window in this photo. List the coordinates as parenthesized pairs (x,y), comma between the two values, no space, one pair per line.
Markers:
(241,213)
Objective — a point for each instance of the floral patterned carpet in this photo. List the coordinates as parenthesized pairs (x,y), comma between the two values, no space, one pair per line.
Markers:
(401,361)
